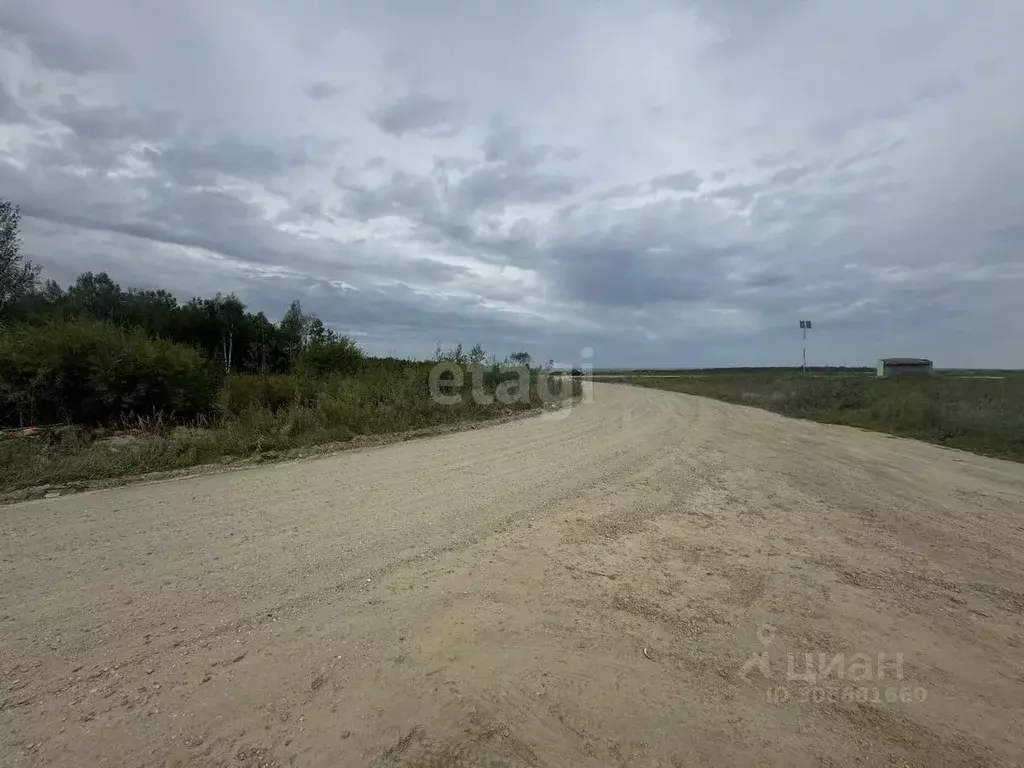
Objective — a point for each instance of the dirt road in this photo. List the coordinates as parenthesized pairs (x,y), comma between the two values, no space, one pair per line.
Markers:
(590,591)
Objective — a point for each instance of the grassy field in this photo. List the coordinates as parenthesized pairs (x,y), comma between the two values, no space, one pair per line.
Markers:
(264,417)
(959,410)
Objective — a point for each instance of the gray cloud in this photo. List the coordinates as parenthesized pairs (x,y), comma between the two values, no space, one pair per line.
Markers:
(688,181)
(618,192)
(618,276)
(506,144)
(10,110)
(489,187)
(653,254)
(320,91)
(458,187)
(54,45)
(217,222)
(102,123)
(742,24)
(789,174)
(743,193)
(418,113)
(403,194)
(199,162)
(527,206)
(768,278)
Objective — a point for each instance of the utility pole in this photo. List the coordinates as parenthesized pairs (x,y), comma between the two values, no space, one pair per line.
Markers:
(805,325)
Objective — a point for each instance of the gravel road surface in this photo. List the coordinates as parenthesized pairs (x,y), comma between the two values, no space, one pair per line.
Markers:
(647,579)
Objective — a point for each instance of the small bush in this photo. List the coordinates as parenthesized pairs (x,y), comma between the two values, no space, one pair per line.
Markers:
(93,373)
(242,392)
(261,415)
(330,357)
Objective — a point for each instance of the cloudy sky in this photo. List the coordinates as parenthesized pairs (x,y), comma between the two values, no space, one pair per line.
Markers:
(668,182)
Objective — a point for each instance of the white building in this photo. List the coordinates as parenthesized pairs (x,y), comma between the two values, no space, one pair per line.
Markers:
(904,367)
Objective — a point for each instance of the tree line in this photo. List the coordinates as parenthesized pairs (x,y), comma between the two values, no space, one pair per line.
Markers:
(236,340)
(94,351)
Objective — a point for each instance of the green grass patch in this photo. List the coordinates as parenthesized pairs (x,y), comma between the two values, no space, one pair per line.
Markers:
(982,415)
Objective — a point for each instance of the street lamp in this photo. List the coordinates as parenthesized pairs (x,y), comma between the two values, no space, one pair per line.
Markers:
(805,325)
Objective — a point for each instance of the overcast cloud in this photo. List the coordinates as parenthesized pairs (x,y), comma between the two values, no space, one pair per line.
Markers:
(668,182)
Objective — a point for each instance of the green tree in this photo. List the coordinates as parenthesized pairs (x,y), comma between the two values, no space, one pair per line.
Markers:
(156,312)
(477,355)
(228,315)
(17,275)
(294,330)
(39,305)
(454,355)
(52,292)
(263,353)
(96,296)
(319,333)
(520,358)
(334,355)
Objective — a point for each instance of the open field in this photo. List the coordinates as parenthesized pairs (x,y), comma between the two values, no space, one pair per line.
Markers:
(976,411)
(592,590)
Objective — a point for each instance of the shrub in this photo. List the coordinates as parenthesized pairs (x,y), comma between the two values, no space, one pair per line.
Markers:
(272,391)
(89,372)
(257,415)
(330,357)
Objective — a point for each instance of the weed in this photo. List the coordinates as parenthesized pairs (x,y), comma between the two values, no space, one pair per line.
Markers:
(256,414)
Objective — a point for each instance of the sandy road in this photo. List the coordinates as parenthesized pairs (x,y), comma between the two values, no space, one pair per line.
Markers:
(582,591)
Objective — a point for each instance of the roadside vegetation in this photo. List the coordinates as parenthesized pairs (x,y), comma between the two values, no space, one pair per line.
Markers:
(99,382)
(956,409)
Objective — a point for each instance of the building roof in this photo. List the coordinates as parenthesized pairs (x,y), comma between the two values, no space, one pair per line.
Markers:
(906,361)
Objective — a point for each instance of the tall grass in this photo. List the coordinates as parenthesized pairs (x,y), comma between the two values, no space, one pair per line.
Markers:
(976,414)
(260,415)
